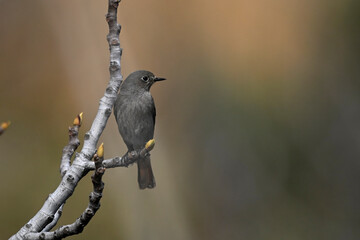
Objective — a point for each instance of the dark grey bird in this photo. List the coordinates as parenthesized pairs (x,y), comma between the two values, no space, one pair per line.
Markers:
(135,113)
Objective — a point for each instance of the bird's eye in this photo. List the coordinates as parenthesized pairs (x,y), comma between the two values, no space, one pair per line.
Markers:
(145,78)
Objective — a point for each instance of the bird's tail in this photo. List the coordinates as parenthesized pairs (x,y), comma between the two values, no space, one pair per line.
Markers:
(145,174)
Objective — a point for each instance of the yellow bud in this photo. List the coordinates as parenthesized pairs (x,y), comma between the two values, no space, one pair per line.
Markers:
(100,151)
(150,145)
(78,120)
(81,117)
(5,125)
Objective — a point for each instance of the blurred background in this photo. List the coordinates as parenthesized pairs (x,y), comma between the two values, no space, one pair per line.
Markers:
(257,130)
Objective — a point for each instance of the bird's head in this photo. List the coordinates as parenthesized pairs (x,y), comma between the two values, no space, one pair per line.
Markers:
(140,80)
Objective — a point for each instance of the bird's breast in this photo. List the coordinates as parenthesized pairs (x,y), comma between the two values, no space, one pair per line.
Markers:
(135,116)
(140,102)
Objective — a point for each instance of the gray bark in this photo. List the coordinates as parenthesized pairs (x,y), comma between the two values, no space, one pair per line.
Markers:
(79,169)
(80,223)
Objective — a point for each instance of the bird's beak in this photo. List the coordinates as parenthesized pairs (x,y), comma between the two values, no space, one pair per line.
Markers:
(156,79)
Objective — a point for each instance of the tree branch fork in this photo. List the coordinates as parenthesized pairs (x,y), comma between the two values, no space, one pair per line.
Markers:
(40,225)
(99,165)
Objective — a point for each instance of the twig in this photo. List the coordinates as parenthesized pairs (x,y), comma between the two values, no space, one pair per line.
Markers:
(126,160)
(4,126)
(68,152)
(74,143)
(78,169)
(94,204)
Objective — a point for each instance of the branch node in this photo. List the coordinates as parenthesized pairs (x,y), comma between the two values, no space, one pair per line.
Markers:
(70,178)
(87,136)
(42,236)
(109,90)
(107,17)
(89,212)
(118,28)
(66,229)
(115,42)
(114,66)
(108,111)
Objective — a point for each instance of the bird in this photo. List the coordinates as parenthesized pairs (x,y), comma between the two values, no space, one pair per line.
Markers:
(135,113)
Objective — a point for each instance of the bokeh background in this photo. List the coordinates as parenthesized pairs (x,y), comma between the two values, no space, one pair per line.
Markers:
(258,125)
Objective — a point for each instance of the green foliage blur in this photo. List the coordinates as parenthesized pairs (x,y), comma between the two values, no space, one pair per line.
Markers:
(257,130)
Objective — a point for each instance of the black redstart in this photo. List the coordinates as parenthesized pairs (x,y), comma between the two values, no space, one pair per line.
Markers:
(135,113)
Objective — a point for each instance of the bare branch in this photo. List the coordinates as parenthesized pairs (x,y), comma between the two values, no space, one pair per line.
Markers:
(78,169)
(126,160)
(74,143)
(94,204)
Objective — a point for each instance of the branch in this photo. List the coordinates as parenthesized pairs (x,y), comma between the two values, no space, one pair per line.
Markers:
(68,152)
(126,160)
(99,165)
(74,143)
(78,169)
(94,204)
(4,126)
